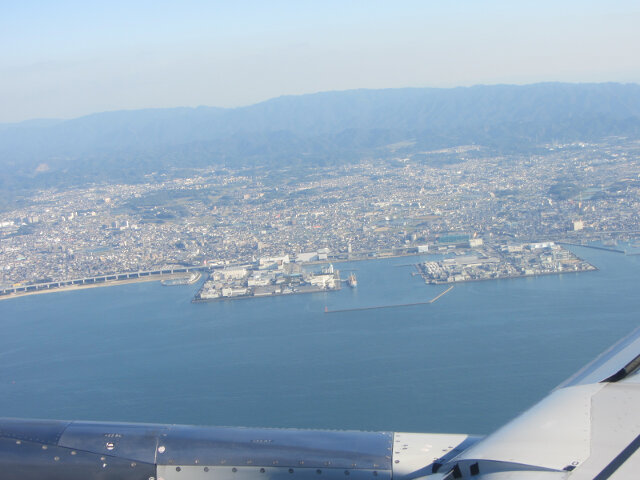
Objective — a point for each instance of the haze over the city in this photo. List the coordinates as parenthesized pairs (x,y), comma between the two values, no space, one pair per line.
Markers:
(362,217)
(67,59)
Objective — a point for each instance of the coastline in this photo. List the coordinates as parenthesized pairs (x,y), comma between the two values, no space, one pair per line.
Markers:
(510,277)
(358,258)
(109,283)
(246,297)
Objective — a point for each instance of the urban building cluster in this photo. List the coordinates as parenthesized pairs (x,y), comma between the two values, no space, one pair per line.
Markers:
(272,276)
(506,261)
(225,217)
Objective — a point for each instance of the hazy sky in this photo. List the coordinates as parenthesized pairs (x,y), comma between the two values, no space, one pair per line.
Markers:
(69,58)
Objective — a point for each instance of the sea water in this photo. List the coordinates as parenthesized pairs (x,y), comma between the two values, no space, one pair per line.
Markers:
(468,362)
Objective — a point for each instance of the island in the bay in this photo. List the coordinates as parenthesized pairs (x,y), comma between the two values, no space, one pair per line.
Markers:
(267,277)
(503,261)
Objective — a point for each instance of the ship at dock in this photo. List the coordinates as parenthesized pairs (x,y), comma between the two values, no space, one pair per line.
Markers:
(352,281)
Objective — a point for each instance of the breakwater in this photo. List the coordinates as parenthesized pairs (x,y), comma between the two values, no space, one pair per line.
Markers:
(397,305)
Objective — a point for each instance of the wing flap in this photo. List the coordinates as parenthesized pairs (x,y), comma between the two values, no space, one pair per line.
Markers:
(588,427)
(609,363)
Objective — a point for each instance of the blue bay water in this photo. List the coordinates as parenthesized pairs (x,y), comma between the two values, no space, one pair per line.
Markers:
(467,363)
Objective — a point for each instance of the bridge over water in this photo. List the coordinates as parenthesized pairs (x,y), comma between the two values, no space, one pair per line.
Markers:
(99,279)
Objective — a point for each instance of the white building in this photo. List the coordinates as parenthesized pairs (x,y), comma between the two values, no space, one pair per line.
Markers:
(272,262)
(304,257)
(233,273)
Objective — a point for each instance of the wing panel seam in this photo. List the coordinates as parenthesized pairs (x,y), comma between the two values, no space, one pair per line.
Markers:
(617,462)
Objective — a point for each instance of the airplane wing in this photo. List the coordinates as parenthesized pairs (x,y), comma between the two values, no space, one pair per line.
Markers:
(587,428)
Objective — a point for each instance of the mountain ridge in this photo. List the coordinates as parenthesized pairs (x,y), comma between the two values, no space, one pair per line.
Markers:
(323,127)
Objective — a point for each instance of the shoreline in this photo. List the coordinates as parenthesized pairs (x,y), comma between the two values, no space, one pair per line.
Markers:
(162,277)
(363,259)
(271,295)
(108,283)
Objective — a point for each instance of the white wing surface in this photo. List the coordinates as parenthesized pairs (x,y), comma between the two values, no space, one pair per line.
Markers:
(587,428)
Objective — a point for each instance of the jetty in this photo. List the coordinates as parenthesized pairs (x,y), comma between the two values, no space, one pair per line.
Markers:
(441,294)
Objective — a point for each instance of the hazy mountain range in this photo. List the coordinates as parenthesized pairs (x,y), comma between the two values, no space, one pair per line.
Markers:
(322,128)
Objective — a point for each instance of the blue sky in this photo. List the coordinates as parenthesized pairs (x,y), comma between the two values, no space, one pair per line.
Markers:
(69,58)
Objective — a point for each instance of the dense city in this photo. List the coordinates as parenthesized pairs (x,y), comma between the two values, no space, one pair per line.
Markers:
(370,208)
